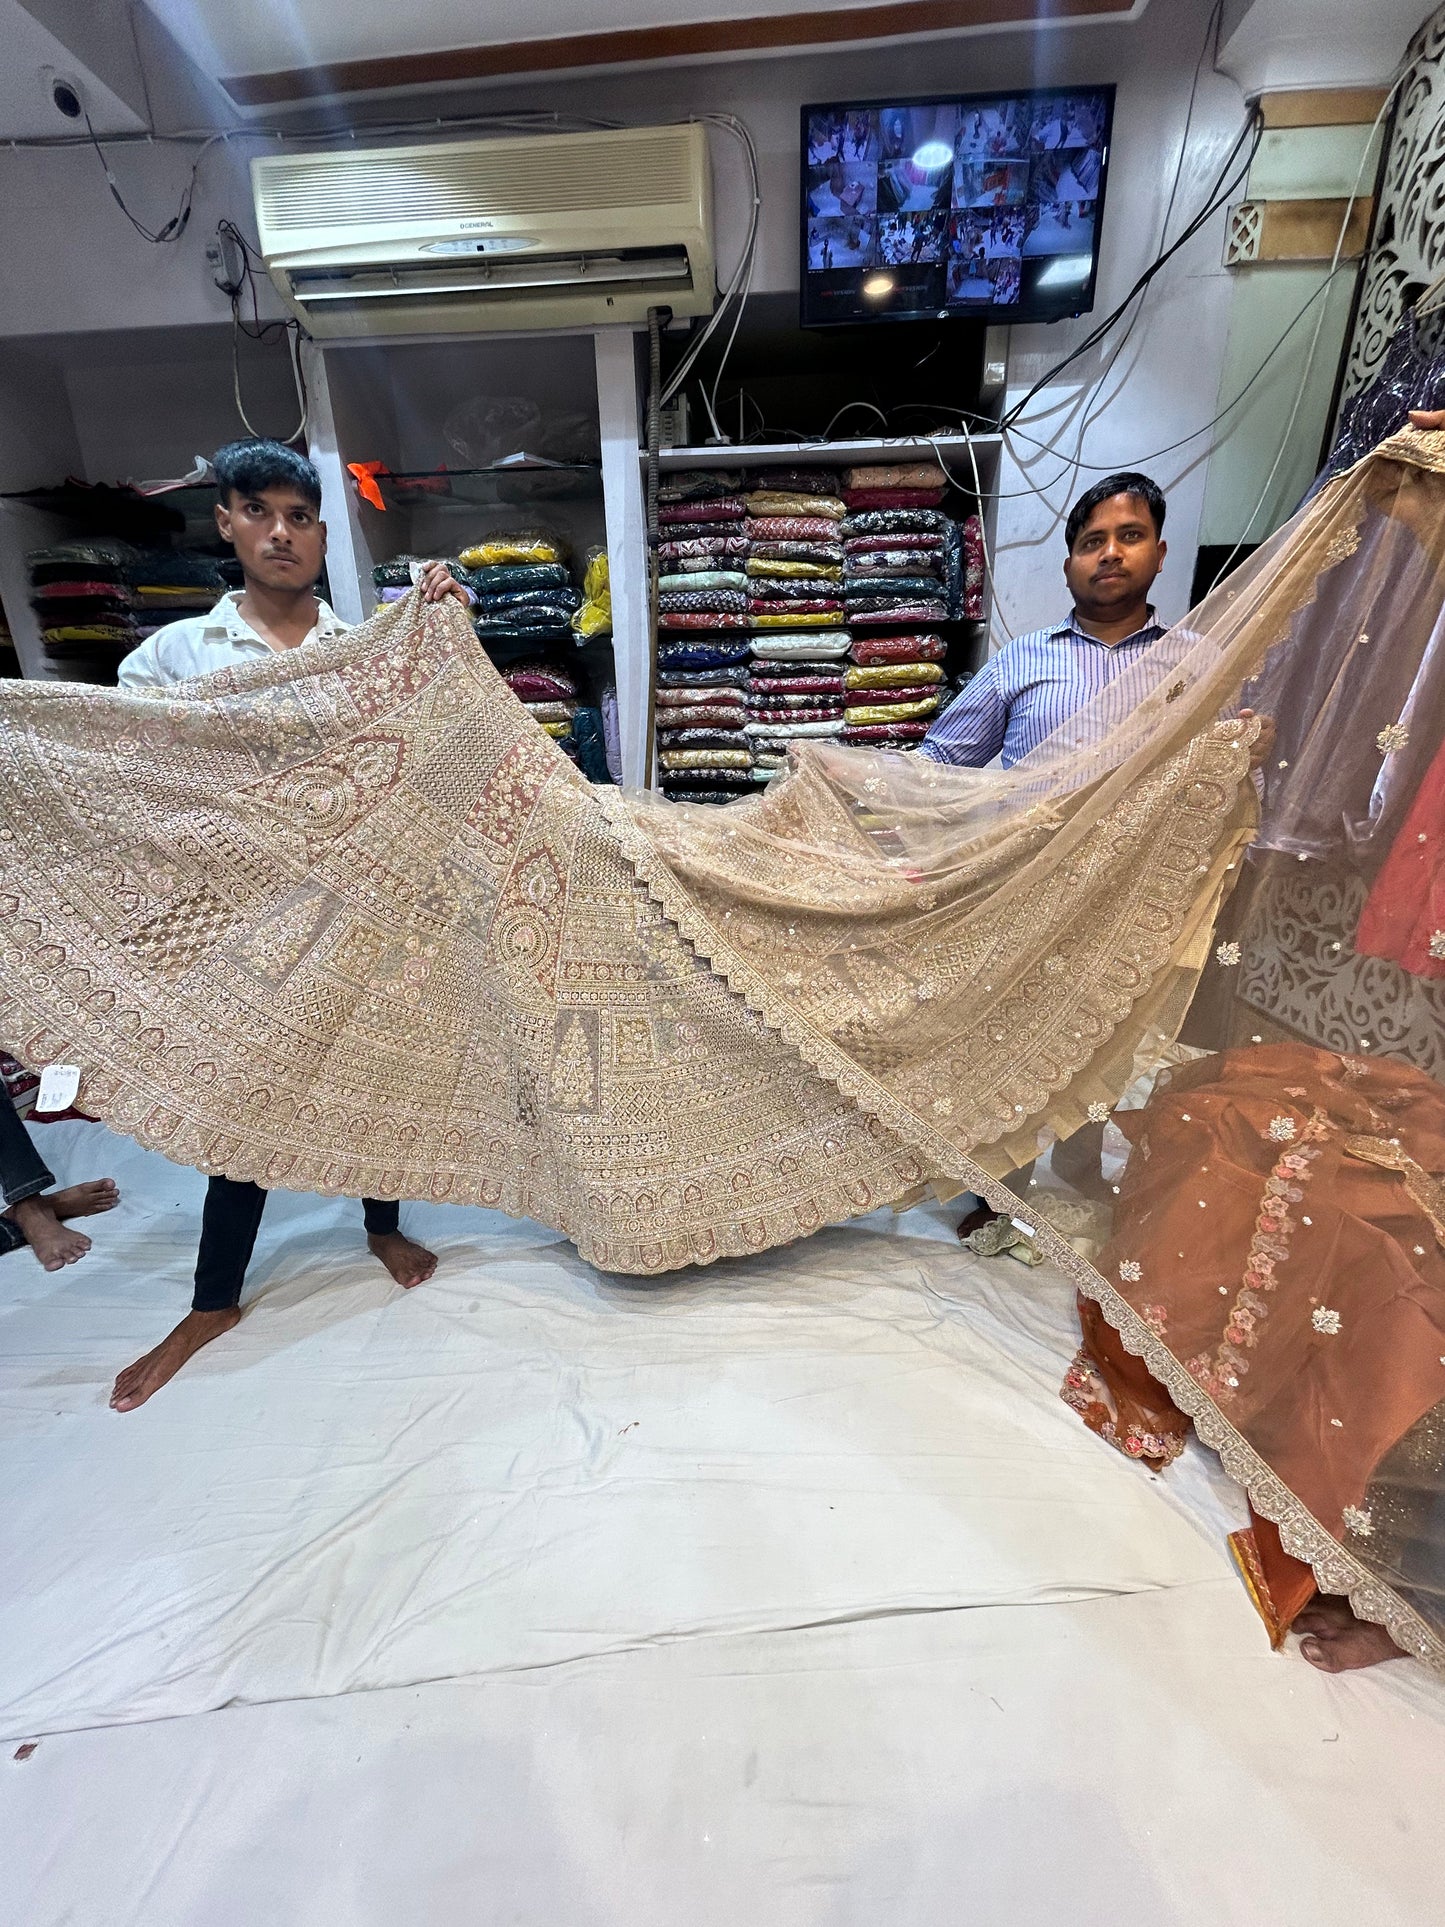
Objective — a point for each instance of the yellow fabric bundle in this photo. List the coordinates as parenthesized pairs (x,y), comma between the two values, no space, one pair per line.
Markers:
(892,712)
(892,675)
(526,545)
(823,619)
(779,502)
(594,618)
(813,571)
(558,729)
(707,759)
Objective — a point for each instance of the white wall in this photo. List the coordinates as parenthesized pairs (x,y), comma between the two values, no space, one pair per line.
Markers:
(73,263)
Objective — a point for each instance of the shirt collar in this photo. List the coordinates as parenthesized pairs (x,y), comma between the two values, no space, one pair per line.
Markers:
(225,619)
(1147,630)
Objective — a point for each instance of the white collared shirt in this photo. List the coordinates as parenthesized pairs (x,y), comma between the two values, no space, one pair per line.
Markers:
(196,645)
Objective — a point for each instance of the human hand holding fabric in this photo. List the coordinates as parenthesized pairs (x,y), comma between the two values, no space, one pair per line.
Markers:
(1427,418)
(437,583)
(1264,742)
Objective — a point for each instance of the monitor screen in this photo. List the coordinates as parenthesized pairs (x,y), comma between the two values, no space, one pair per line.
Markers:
(982,205)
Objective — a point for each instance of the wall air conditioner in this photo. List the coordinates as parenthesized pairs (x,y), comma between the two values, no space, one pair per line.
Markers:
(546,231)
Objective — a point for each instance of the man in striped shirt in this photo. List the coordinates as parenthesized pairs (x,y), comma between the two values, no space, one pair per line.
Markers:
(1116,548)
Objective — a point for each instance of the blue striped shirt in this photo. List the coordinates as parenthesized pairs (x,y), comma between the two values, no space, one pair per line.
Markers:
(1028,690)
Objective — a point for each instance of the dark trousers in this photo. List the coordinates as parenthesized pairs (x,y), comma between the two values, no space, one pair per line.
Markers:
(22,1174)
(229,1223)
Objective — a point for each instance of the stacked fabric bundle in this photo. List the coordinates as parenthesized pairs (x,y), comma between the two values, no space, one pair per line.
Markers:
(903,555)
(702,621)
(524,592)
(547,691)
(795,605)
(80,593)
(170,583)
(704,755)
(893,688)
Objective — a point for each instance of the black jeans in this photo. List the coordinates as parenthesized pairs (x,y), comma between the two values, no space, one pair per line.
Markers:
(229,1223)
(22,1174)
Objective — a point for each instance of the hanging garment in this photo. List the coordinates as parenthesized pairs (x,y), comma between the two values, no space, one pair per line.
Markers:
(1408,377)
(1307,1315)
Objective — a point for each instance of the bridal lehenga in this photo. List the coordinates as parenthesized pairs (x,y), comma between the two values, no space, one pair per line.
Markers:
(347,921)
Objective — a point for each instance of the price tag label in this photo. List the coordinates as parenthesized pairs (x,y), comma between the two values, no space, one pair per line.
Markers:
(59,1084)
(1029,1230)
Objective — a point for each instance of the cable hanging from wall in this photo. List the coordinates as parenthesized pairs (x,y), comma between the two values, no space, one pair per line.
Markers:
(265,332)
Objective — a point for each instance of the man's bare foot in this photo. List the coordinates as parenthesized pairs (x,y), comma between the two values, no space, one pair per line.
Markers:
(137,1382)
(1336,1642)
(84,1200)
(408,1262)
(39,1219)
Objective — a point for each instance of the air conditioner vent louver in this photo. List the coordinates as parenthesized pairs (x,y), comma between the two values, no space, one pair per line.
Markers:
(555,230)
(442,183)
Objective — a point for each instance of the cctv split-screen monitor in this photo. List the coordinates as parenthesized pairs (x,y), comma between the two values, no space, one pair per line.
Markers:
(983,205)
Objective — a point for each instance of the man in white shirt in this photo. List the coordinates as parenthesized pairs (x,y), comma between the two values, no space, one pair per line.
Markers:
(270,511)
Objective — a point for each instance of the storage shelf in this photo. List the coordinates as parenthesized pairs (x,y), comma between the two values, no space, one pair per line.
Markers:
(503,483)
(839,454)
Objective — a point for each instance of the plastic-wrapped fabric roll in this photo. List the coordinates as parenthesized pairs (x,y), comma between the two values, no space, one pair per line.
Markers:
(702,622)
(783,732)
(707,759)
(825,645)
(722,508)
(874,651)
(792,528)
(768,501)
(890,675)
(693,581)
(887,612)
(700,653)
(798,616)
(892,712)
(729,675)
(913,692)
(895,521)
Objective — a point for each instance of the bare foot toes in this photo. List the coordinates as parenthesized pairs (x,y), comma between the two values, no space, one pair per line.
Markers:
(1334,1641)
(85,1200)
(408,1262)
(140,1381)
(47,1237)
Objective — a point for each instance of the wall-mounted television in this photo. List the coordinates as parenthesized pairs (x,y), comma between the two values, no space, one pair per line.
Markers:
(979,205)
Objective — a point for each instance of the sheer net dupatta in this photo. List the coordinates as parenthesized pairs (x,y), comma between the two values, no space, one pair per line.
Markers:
(1267,1251)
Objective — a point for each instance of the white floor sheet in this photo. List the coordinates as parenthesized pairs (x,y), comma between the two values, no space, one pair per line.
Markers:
(788,1586)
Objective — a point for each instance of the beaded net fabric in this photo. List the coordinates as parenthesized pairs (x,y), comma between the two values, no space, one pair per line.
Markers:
(347,921)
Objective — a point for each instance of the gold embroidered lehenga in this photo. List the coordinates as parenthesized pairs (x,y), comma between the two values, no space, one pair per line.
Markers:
(347,921)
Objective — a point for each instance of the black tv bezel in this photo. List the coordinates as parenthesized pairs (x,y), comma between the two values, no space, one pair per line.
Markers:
(1014,317)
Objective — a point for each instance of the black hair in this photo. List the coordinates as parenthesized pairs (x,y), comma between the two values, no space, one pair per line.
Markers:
(251,466)
(1130,482)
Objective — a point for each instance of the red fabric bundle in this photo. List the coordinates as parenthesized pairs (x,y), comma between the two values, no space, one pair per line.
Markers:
(872,544)
(795,715)
(792,528)
(893,498)
(861,698)
(885,735)
(808,606)
(871,652)
(727,508)
(534,684)
(817,684)
(703,622)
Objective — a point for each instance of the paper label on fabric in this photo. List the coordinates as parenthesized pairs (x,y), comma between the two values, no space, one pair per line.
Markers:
(59,1084)
(1029,1231)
